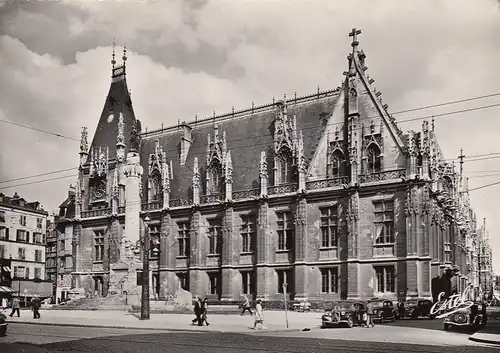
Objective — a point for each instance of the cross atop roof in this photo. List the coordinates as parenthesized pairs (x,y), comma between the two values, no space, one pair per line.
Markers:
(354,34)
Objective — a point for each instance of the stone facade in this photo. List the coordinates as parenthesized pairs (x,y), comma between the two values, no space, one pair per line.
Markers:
(323,194)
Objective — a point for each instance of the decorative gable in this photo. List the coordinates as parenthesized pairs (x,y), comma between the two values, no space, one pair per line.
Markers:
(156,173)
(216,162)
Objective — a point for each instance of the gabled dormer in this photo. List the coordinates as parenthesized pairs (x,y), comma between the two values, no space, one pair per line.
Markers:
(216,160)
(156,173)
(186,141)
(285,145)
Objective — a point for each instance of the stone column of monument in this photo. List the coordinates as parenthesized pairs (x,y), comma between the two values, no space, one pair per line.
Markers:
(133,173)
(301,241)
(264,275)
(195,281)
(227,233)
(77,226)
(167,277)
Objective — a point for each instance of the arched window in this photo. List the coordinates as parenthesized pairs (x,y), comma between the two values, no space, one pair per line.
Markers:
(214,182)
(447,185)
(284,168)
(374,159)
(337,164)
(155,191)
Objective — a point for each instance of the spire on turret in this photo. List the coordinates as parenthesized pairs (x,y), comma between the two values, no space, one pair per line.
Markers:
(354,34)
(124,57)
(84,146)
(113,61)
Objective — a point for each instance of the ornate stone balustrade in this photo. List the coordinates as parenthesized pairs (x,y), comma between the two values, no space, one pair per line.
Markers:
(210,198)
(326,183)
(281,189)
(245,194)
(96,213)
(180,202)
(382,176)
(151,206)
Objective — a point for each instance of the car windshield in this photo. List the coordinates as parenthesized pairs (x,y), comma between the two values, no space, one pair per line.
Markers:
(412,302)
(342,306)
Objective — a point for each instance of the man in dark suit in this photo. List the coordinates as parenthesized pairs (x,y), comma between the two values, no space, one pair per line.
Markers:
(198,312)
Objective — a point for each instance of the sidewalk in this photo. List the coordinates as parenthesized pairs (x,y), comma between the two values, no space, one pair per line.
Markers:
(275,321)
(490,334)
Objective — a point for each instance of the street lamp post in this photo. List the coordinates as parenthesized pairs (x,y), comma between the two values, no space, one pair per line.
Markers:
(145,271)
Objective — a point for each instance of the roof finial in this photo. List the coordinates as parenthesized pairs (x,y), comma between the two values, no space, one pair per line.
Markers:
(354,34)
(113,61)
(124,57)
(432,124)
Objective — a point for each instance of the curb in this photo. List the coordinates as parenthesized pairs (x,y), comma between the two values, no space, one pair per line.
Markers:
(154,328)
(481,340)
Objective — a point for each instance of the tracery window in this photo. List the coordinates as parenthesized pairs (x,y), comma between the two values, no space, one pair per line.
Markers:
(284,167)
(374,163)
(155,191)
(214,182)
(337,164)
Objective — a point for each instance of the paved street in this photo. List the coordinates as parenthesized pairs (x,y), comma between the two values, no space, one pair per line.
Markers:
(60,339)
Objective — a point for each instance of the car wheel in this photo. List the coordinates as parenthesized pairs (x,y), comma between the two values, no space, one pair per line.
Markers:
(350,322)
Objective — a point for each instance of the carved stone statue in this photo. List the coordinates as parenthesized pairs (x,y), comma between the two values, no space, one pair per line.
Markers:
(134,140)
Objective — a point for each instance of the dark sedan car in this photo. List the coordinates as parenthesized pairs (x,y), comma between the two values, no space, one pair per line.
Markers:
(383,310)
(474,317)
(416,308)
(346,312)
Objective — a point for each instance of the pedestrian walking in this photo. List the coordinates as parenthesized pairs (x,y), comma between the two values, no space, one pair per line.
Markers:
(197,312)
(36,303)
(4,303)
(259,315)
(369,312)
(204,311)
(401,310)
(246,306)
(15,307)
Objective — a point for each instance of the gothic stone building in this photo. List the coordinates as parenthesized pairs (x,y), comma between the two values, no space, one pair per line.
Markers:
(321,195)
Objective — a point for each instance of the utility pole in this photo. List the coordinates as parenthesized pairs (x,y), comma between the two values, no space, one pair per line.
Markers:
(286,309)
(145,271)
(461,157)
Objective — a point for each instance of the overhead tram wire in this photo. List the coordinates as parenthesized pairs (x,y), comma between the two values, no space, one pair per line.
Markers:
(39,130)
(38,181)
(370,117)
(37,175)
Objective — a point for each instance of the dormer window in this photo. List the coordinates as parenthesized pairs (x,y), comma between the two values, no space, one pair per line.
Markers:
(337,164)
(214,178)
(374,163)
(155,187)
(284,168)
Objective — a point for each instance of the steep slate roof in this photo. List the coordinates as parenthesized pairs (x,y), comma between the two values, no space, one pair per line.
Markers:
(247,134)
(118,101)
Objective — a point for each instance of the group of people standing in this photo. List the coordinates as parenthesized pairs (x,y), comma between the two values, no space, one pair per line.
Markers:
(201,309)
(15,305)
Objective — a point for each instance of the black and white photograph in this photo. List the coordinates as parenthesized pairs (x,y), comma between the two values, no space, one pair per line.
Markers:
(249,176)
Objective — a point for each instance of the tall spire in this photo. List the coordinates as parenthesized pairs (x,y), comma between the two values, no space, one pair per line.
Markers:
(113,61)
(124,57)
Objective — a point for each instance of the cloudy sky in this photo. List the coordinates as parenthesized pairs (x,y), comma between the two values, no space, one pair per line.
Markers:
(205,56)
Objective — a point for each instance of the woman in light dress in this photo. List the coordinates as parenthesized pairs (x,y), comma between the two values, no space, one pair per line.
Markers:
(259,315)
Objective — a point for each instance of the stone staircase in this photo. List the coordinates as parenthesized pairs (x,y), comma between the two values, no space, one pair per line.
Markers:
(112,302)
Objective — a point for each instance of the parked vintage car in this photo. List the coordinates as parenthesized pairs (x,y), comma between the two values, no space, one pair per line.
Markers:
(415,308)
(474,317)
(345,312)
(302,305)
(3,325)
(383,310)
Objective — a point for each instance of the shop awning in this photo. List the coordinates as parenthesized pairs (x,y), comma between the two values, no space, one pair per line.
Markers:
(7,290)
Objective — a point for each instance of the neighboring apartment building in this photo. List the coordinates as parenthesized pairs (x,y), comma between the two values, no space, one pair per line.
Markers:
(322,194)
(22,240)
(59,250)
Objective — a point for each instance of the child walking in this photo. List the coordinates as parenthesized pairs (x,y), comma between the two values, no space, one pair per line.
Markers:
(259,316)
